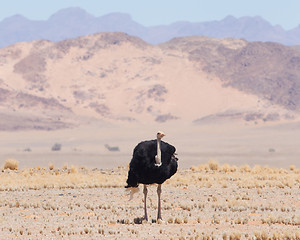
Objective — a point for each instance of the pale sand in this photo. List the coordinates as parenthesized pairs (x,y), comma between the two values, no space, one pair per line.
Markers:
(276,146)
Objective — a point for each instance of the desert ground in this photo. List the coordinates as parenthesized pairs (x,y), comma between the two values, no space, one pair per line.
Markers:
(233,182)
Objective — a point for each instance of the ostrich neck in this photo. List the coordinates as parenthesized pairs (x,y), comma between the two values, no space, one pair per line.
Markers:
(158,156)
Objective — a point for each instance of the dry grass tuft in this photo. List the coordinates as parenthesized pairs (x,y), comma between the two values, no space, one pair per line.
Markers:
(292,167)
(234,202)
(74,169)
(245,168)
(51,166)
(65,167)
(11,164)
(225,168)
(213,165)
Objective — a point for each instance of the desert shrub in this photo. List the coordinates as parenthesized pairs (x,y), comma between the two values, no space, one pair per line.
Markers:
(272,150)
(11,164)
(51,166)
(225,168)
(245,168)
(74,169)
(56,147)
(292,167)
(27,149)
(213,165)
(65,167)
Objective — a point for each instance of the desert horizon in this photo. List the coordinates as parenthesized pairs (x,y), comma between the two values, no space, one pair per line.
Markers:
(238,144)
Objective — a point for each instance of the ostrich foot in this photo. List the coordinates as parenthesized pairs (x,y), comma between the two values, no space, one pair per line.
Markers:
(160,221)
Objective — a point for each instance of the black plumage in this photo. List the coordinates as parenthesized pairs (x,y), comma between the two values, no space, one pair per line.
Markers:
(142,167)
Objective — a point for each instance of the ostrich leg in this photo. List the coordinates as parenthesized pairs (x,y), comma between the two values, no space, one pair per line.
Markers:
(145,205)
(159,207)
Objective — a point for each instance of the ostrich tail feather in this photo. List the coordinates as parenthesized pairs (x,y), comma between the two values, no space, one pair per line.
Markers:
(131,191)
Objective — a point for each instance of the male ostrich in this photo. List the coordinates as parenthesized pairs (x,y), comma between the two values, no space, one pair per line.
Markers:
(152,162)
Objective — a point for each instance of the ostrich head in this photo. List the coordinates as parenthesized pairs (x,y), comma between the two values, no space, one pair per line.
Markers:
(160,135)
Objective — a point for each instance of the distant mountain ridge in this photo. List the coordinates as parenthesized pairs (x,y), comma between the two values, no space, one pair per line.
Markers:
(74,22)
(118,78)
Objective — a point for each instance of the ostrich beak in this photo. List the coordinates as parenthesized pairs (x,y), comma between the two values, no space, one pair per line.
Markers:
(160,134)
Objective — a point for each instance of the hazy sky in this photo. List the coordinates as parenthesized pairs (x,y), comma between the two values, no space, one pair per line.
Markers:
(155,12)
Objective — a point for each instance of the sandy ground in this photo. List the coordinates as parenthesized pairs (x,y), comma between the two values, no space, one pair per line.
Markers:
(198,203)
(235,201)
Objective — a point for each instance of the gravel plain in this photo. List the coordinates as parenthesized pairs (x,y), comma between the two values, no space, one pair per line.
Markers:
(209,201)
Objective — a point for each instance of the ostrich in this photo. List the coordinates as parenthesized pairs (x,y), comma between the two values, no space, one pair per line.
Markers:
(153,161)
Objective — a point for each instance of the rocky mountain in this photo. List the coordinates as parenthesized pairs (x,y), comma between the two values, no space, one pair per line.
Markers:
(114,77)
(74,22)
(268,70)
